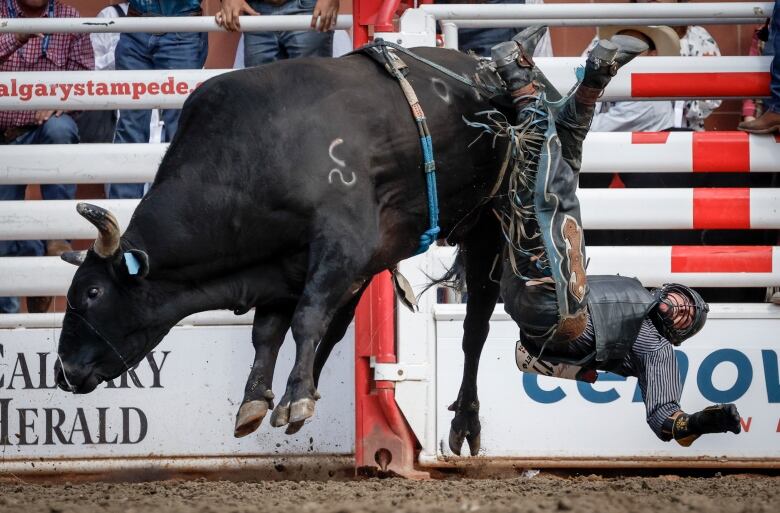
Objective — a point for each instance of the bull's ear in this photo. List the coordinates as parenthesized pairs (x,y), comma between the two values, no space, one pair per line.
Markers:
(74,257)
(136,262)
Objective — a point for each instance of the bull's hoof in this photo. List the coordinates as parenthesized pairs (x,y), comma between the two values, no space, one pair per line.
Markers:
(293,427)
(280,415)
(456,442)
(249,417)
(301,410)
(465,426)
(292,413)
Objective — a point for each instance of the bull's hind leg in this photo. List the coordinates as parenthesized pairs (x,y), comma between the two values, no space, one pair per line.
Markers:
(268,331)
(335,269)
(479,251)
(336,330)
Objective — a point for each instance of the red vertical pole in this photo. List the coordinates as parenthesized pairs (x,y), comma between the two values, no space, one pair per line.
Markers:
(382,437)
(359,28)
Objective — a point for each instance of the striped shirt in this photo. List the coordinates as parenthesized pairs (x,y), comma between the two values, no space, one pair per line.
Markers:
(652,361)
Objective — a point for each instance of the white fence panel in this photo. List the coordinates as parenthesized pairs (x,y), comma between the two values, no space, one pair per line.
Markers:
(179,402)
(528,417)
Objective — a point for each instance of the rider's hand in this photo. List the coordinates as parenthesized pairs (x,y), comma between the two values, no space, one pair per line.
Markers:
(227,17)
(327,12)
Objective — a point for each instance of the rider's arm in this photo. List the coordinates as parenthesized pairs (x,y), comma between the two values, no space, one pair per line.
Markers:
(655,366)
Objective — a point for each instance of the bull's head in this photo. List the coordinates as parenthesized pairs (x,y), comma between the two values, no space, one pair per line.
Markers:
(105,331)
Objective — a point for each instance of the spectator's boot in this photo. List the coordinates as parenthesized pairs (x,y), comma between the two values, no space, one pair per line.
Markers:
(767,123)
(604,60)
(541,219)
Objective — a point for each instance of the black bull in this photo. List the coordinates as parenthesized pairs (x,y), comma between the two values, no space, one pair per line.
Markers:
(286,188)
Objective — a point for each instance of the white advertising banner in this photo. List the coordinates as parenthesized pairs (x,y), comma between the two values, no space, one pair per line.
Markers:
(180,401)
(733,360)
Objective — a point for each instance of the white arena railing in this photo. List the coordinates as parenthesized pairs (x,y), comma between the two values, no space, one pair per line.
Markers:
(665,152)
(425,339)
(643,78)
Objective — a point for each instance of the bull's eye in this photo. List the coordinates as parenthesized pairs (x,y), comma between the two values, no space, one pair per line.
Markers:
(93,292)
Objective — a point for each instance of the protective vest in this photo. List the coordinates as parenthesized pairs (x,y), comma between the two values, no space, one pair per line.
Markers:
(617,306)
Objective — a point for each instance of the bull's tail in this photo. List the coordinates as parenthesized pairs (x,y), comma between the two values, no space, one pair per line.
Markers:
(454,278)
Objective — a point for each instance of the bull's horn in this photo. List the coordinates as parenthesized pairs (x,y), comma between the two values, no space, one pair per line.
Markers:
(107,242)
(74,257)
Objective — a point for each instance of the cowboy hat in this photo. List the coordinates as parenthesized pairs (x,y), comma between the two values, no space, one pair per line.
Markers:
(665,39)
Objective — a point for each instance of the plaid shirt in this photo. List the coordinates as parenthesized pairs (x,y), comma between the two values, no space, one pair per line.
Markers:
(66,52)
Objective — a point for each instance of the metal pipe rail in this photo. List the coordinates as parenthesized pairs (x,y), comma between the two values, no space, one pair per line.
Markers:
(600,14)
(527,22)
(657,78)
(602,209)
(625,152)
(54,320)
(159,24)
(697,266)
(80,163)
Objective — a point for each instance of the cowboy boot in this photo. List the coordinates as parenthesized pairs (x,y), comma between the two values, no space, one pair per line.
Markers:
(604,60)
(514,63)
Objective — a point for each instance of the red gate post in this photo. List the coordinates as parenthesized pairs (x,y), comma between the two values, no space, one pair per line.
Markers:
(382,437)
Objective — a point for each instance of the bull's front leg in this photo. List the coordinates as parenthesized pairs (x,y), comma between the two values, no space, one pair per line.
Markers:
(479,253)
(268,332)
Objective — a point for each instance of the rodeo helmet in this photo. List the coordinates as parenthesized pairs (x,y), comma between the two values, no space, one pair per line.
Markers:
(691,313)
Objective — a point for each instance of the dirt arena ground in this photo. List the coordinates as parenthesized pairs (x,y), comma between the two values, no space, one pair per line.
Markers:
(542,493)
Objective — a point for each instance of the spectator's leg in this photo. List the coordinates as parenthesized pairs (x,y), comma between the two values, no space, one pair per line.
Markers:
(57,130)
(307,44)
(263,47)
(480,41)
(769,122)
(11,247)
(774,43)
(178,50)
(133,52)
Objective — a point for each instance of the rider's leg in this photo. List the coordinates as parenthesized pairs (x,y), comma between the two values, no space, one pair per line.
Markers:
(573,122)
(543,283)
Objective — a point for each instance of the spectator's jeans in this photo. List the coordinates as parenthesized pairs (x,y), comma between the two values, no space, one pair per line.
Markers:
(480,41)
(57,130)
(265,47)
(773,48)
(141,51)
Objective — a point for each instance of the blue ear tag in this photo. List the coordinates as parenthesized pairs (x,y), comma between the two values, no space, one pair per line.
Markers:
(132,264)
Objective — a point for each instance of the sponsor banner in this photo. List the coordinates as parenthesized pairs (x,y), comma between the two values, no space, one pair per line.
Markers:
(180,401)
(532,416)
(83,90)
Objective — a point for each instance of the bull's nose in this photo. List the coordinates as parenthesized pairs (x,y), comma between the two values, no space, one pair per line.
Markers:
(76,380)
(60,379)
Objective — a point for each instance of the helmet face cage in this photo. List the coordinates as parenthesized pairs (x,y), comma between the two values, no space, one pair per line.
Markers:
(685,314)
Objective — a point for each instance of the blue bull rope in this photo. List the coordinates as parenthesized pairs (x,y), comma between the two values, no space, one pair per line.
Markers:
(396,67)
